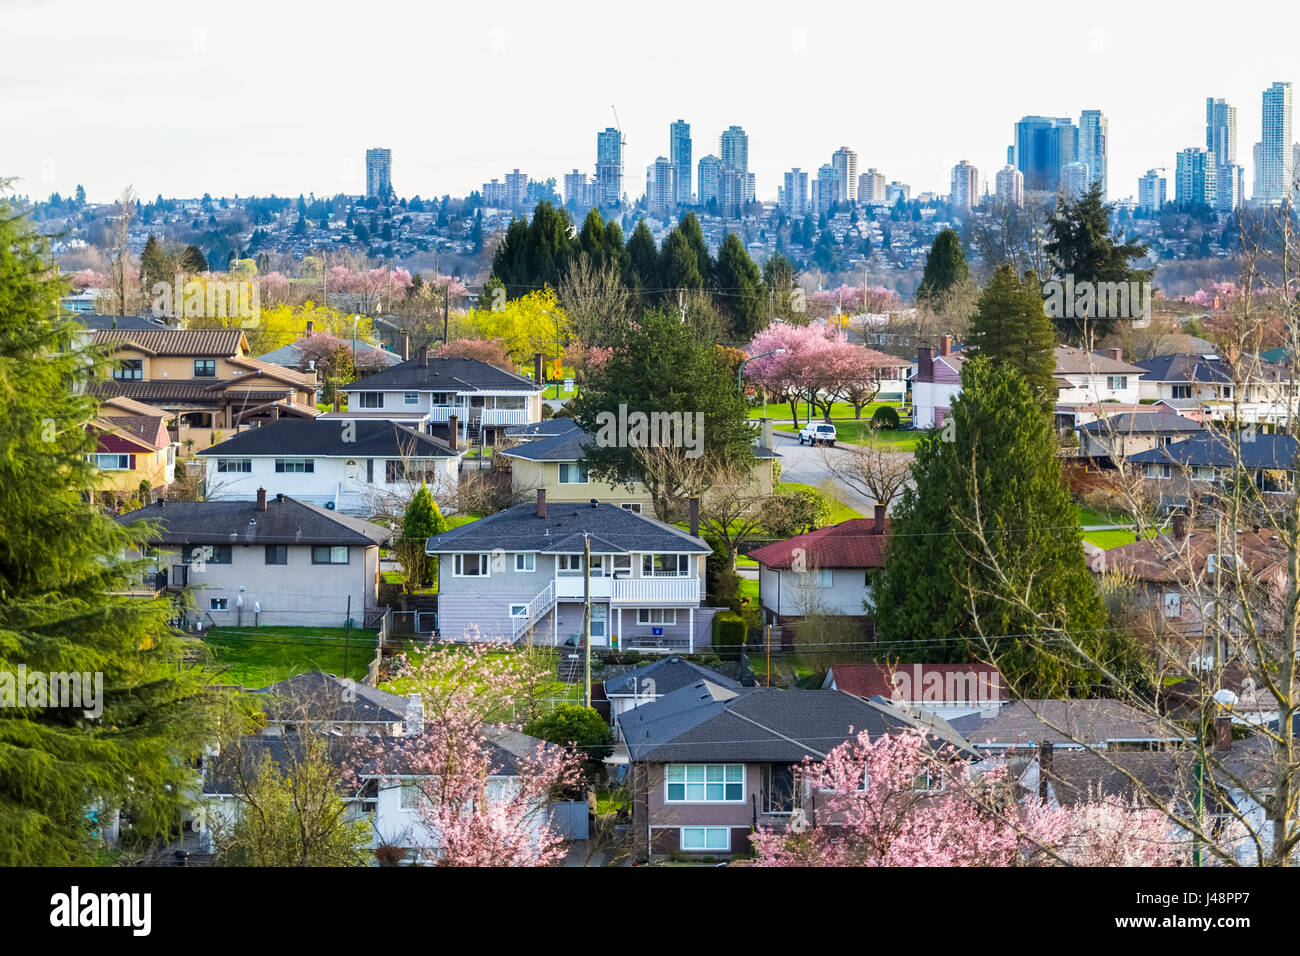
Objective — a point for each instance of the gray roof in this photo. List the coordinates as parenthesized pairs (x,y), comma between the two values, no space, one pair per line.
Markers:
(445,375)
(705,721)
(663,677)
(1271,452)
(1080,776)
(1094,723)
(291,355)
(320,696)
(285,521)
(1185,368)
(1074,361)
(544,429)
(332,438)
(1127,423)
(569,445)
(617,530)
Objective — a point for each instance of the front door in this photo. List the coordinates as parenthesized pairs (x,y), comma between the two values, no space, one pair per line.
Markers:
(599,625)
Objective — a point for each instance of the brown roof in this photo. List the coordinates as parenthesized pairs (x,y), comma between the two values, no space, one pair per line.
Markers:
(921,682)
(1083,776)
(1091,723)
(272,370)
(188,390)
(1073,361)
(1166,560)
(147,431)
(849,544)
(220,343)
(116,406)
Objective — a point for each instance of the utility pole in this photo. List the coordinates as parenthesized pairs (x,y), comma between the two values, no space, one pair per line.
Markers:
(586,619)
(347,634)
(446,309)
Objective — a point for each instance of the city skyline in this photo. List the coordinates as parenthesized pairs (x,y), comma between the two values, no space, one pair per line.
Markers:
(145,133)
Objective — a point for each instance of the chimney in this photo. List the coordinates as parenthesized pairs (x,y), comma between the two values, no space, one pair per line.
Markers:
(945,344)
(541,502)
(424,356)
(695,517)
(261,499)
(767,433)
(1044,767)
(537,368)
(880,520)
(413,726)
(1223,732)
(406,347)
(453,432)
(924,363)
(1180,527)
(1116,354)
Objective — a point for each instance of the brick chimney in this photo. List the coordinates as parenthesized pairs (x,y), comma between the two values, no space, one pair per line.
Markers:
(1180,527)
(924,363)
(424,356)
(537,368)
(1116,354)
(1044,767)
(541,502)
(261,499)
(453,432)
(406,346)
(945,344)
(695,517)
(879,527)
(767,433)
(1222,733)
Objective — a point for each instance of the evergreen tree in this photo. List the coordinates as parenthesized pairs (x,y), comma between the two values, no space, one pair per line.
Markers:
(535,254)
(826,253)
(192,261)
(642,270)
(993,468)
(739,287)
(945,268)
(592,239)
(780,278)
(689,227)
(421,522)
(64,773)
(1011,330)
(155,265)
(679,266)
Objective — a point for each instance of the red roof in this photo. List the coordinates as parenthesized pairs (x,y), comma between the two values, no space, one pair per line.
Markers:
(849,544)
(920,682)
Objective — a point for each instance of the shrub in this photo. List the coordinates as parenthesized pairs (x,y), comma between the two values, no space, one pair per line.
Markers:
(729,634)
(885,417)
(789,513)
(579,727)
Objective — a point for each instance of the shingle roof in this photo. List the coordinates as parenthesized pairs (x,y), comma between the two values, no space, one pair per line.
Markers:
(285,521)
(445,375)
(1185,368)
(1083,776)
(1128,423)
(1270,452)
(118,405)
(204,391)
(703,721)
(568,445)
(1027,723)
(877,680)
(220,343)
(120,322)
(291,355)
(150,430)
(1167,560)
(1073,361)
(552,426)
(849,544)
(663,677)
(332,438)
(316,695)
(272,370)
(519,529)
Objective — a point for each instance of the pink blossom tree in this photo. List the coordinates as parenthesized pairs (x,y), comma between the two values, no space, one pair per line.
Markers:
(819,364)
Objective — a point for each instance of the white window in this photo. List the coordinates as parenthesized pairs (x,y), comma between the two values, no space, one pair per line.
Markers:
(1158,471)
(526,561)
(1173,604)
(1117,382)
(573,473)
(705,782)
(329,554)
(372,399)
(470,566)
(706,838)
(235,465)
(665,566)
(411,398)
(295,466)
(622,565)
(110,462)
(411,796)
(1181,391)
(1204,473)
(217,604)
(519,610)
(820,578)
(633,506)
(656,615)
(572,563)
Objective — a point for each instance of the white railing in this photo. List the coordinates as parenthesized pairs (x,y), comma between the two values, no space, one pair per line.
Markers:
(570,586)
(441,413)
(536,608)
(655,590)
(505,416)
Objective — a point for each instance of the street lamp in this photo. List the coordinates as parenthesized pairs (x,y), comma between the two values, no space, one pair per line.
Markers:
(741,368)
(355,320)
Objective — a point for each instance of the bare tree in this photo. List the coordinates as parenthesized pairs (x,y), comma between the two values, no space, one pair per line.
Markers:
(121,273)
(870,468)
(595,299)
(730,509)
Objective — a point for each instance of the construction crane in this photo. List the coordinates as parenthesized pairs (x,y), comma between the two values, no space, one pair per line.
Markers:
(622,139)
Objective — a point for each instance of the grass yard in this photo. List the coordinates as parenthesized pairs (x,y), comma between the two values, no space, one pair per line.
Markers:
(749,589)
(455,521)
(839,512)
(744,562)
(855,432)
(1107,539)
(261,656)
(781,410)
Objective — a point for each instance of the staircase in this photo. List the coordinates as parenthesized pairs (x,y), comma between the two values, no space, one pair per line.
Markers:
(537,608)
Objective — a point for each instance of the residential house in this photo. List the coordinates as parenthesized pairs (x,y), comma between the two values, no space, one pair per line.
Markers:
(711,763)
(273,561)
(357,467)
(1198,466)
(1023,725)
(1129,433)
(291,356)
(482,399)
(827,571)
(1248,389)
(522,570)
(648,683)
(945,690)
(132,451)
(205,378)
(338,705)
(936,382)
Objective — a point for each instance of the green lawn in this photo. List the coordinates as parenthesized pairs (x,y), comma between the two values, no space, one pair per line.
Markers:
(855,432)
(749,589)
(455,521)
(744,562)
(781,410)
(839,512)
(1107,539)
(260,656)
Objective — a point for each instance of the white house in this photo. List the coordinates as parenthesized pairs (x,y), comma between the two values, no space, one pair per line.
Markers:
(344,465)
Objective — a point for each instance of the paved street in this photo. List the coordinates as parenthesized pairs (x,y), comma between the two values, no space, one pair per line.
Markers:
(807,465)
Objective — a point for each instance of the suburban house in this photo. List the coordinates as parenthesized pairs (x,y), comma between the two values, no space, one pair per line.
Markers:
(266,561)
(291,355)
(482,399)
(558,463)
(652,681)
(349,466)
(131,450)
(1247,390)
(543,429)
(205,378)
(945,690)
(1194,467)
(522,571)
(827,571)
(338,705)
(1023,725)
(1129,433)
(936,382)
(710,763)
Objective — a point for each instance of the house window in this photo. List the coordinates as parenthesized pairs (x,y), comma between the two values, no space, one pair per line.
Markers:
(410,796)
(1117,383)
(470,566)
(111,462)
(1181,391)
(632,506)
(218,604)
(820,578)
(218,554)
(1173,604)
(130,370)
(526,561)
(597,565)
(242,466)
(394,471)
(928,781)
(705,782)
(780,788)
(698,839)
(573,473)
(205,368)
(518,610)
(570,563)
(277,554)
(329,554)
(411,398)
(372,399)
(622,565)
(1204,473)
(665,566)
(656,615)
(295,466)
(1158,471)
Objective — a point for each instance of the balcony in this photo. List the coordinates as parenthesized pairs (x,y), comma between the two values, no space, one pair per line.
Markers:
(504,416)
(656,591)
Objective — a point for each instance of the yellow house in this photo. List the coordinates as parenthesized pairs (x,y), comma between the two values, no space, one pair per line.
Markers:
(131,449)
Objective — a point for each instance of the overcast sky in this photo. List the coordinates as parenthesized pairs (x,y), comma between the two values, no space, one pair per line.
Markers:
(183,98)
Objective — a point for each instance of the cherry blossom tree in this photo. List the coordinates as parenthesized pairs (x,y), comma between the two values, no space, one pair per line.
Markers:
(819,364)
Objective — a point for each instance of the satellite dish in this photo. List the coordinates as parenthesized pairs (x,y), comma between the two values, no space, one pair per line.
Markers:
(1225,698)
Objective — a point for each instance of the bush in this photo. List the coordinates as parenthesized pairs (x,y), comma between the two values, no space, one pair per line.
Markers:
(580,727)
(790,513)
(729,634)
(885,417)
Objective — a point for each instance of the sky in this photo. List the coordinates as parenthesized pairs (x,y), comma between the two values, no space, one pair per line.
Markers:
(180,98)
